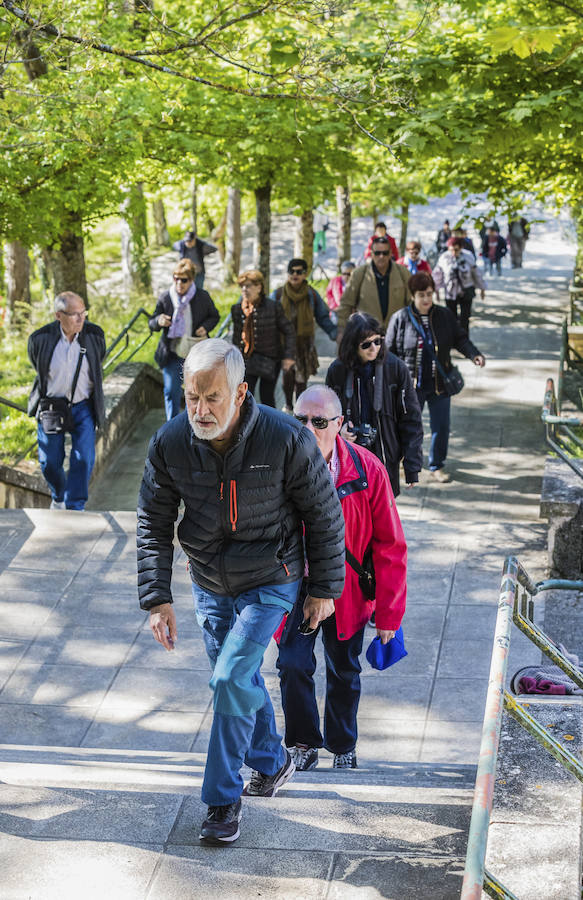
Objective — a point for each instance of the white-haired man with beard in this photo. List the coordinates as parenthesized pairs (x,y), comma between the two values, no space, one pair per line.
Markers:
(252,481)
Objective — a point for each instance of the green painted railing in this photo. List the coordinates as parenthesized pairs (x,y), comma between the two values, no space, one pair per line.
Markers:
(515,606)
(559,432)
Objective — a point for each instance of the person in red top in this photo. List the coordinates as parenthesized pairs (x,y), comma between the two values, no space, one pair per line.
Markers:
(412,259)
(380,230)
(371,523)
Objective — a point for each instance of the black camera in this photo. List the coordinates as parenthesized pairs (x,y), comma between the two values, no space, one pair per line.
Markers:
(366,435)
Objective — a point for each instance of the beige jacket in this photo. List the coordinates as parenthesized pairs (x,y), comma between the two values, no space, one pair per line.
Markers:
(361,293)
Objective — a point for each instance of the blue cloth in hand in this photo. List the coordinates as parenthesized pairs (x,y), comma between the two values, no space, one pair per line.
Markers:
(381,656)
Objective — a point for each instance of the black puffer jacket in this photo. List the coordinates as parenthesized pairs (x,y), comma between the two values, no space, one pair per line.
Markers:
(447,334)
(398,420)
(273,331)
(203,312)
(242,524)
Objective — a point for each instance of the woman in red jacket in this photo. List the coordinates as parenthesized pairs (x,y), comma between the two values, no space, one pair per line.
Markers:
(373,533)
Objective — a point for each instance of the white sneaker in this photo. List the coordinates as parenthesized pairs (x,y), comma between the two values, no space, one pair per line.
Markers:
(56,504)
(440,475)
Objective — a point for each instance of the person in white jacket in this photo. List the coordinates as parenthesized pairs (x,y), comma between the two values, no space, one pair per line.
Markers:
(456,271)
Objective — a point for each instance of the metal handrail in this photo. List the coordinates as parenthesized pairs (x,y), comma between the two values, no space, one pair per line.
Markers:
(124,336)
(12,405)
(224,326)
(558,433)
(515,606)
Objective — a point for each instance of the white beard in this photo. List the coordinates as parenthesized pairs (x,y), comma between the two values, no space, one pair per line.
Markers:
(211,434)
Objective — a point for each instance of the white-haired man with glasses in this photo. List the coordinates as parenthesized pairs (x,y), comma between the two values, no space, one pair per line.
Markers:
(374,543)
(67,356)
(255,489)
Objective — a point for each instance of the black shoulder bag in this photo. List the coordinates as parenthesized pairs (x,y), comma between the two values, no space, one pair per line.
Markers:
(453,381)
(364,570)
(54,413)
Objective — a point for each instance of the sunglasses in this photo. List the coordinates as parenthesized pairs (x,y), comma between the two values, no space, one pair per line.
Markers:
(181,279)
(375,342)
(319,422)
(380,252)
(297,271)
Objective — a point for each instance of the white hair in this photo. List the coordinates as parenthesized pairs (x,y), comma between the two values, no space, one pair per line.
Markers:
(207,355)
(320,394)
(62,300)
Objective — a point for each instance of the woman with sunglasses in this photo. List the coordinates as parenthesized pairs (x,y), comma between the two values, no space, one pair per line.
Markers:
(184,314)
(420,334)
(263,334)
(378,399)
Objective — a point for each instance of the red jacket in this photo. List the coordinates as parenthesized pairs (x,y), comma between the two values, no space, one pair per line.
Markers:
(392,242)
(422,264)
(370,514)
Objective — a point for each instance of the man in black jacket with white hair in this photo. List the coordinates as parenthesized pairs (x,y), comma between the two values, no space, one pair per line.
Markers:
(255,488)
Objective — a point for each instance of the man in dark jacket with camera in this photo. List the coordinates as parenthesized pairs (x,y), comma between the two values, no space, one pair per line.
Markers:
(254,486)
(67,354)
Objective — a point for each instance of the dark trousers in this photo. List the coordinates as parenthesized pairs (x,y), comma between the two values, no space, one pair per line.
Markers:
(464,302)
(297,665)
(439,422)
(266,388)
(289,385)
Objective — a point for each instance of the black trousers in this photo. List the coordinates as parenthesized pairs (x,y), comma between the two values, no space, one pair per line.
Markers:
(464,302)
(266,388)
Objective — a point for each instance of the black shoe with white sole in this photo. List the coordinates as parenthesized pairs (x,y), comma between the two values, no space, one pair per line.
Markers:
(221,825)
(268,785)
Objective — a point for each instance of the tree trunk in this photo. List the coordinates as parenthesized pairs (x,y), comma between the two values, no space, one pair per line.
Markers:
(263,219)
(344,230)
(17,268)
(160,224)
(218,235)
(67,263)
(404,225)
(306,237)
(193,205)
(233,237)
(135,261)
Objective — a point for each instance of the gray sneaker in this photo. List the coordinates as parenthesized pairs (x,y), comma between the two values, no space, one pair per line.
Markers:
(221,825)
(345,760)
(268,785)
(305,758)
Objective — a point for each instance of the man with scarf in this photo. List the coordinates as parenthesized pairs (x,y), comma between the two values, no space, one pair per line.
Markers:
(303,306)
(185,314)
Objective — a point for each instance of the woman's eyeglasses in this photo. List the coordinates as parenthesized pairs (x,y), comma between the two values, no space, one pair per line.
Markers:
(319,422)
(375,342)
(181,279)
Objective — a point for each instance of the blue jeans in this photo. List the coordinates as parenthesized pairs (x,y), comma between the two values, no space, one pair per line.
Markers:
(74,487)
(297,664)
(172,374)
(439,419)
(199,281)
(236,631)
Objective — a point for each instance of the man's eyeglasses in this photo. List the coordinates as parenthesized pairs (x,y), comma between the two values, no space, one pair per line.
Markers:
(381,252)
(412,249)
(183,279)
(297,271)
(319,422)
(75,315)
(375,342)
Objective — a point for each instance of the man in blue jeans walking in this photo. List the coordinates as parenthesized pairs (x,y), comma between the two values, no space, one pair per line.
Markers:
(55,351)
(255,488)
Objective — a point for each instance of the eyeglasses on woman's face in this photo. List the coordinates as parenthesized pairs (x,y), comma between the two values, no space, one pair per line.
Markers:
(319,422)
(183,279)
(371,342)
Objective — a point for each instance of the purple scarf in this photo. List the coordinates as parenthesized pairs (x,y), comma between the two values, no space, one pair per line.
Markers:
(178,325)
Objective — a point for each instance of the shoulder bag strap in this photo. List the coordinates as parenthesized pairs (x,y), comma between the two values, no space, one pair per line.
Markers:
(82,352)
(418,328)
(350,557)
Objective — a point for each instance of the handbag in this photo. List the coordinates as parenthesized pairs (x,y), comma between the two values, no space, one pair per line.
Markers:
(54,413)
(262,366)
(183,345)
(453,381)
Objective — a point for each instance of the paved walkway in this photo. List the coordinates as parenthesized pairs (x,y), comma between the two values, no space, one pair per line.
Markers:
(104,734)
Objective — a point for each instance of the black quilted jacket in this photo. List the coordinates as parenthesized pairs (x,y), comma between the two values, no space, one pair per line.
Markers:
(242,524)
(274,333)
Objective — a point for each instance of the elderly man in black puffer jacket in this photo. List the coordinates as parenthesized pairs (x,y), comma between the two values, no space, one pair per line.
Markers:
(255,489)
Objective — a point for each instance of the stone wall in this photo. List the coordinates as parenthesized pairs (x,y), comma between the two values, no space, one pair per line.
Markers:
(130,391)
(562,505)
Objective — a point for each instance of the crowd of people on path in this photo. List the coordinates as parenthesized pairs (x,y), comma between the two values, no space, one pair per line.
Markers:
(289,520)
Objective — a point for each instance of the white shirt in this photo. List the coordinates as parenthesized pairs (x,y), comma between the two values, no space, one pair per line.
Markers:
(334,465)
(62,371)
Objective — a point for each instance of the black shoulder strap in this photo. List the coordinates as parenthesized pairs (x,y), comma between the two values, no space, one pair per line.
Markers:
(82,352)
(418,328)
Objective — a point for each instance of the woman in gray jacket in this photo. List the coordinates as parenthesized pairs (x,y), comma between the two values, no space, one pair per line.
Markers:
(457,272)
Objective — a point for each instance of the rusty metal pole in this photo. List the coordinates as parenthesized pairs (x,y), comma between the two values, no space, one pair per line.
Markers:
(484,791)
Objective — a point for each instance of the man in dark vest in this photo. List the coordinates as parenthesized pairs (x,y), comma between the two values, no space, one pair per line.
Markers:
(67,354)
(193,248)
